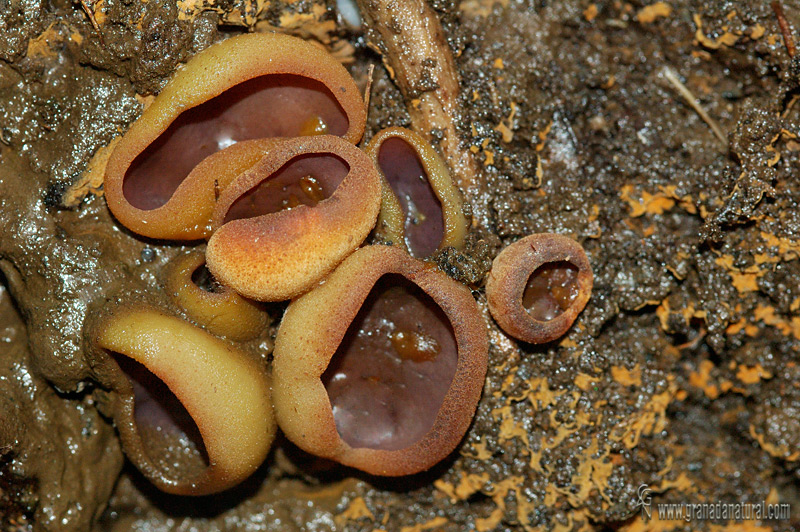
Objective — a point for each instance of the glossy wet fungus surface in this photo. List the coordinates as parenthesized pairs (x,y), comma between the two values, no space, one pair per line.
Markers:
(679,374)
(381,366)
(538,286)
(388,377)
(252,87)
(422,209)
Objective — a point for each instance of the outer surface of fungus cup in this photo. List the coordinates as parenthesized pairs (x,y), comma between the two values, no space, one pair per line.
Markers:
(226,394)
(421,208)
(381,366)
(247,87)
(538,285)
(289,220)
(219,310)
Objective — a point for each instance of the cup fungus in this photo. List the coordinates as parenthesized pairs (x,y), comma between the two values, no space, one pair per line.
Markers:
(290,219)
(538,285)
(246,87)
(381,366)
(216,308)
(421,209)
(193,413)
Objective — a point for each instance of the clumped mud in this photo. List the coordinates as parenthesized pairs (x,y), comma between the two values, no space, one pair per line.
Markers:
(680,374)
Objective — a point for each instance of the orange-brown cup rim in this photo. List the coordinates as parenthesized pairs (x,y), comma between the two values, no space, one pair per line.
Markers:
(207,75)
(277,256)
(303,353)
(509,276)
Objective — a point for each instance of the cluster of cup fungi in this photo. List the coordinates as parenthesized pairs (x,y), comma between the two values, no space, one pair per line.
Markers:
(380,358)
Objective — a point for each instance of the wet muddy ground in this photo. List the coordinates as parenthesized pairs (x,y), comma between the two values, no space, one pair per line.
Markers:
(681,373)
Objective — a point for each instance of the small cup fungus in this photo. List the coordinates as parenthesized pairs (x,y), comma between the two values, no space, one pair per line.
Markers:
(290,219)
(193,413)
(219,309)
(381,366)
(422,209)
(247,87)
(538,285)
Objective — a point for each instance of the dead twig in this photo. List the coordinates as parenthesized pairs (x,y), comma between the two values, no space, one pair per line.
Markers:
(672,77)
(90,14)
(410,37)
(786,30)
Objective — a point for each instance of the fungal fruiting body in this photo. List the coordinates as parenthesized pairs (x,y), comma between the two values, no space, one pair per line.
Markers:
(381,366)
(290,219)
(216,308)
(193,413)
(538,285)
(247,87)
(422,209)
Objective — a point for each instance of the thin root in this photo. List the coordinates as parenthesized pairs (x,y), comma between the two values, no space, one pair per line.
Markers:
(672,77)
(786,30)
(90,13)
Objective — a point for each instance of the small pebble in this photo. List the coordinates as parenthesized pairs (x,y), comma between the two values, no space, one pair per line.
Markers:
(148,255)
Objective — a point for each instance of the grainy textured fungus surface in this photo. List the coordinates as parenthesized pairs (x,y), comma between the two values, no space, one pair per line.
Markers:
(681,373)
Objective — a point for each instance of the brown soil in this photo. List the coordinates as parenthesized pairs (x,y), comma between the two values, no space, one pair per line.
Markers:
(680,374)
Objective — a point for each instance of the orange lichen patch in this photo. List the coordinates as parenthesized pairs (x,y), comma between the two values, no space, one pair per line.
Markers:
(659,203)
(757,31)
(787,248)
(422,208)
(466,487)
(752,374)
(592,474)
(538,286)
(778,451)
(651,418)
(663,311)
(480,8)
(357,509)
(498,491)
(217,309)
(590,13)
(627,377)
(290,219)
(247,87)
(651,13)
(509,427)
(585,382)
(507,125)
(726,39)
(702,379)
(91,180)
(744,279)
(737,326)
(648,204)
(43,45)
(243,13)
(402,418)
(140,353)
(543,136)
(787,327)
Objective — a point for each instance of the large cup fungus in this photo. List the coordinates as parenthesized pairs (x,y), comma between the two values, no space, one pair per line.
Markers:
(381,366)
(247,87)
(216,308)
(422,209)
(290,219)
(193,413)
(538,285)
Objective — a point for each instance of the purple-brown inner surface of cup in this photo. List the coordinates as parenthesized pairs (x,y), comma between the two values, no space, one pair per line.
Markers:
(304,180)
(159,414)
(424,218)
(275,105)
(388,378)
(550,290)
